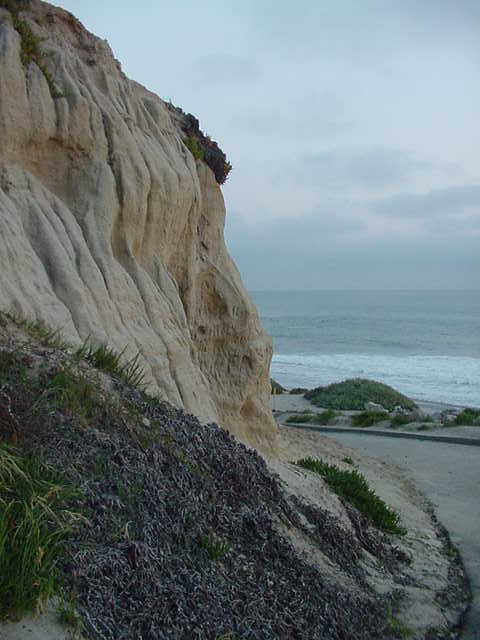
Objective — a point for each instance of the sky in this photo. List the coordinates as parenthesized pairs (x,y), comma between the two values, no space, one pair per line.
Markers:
(353,129)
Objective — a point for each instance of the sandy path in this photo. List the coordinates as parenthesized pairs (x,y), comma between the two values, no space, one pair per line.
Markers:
(430,565)
(449,475)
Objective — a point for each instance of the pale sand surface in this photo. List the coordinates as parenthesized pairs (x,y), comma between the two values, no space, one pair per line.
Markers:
(42,627)
(430,566)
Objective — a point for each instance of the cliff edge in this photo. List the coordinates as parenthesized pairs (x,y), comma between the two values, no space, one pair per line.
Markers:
(112,231)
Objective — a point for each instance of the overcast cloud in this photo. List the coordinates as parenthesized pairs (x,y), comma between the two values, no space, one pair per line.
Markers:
(352,128)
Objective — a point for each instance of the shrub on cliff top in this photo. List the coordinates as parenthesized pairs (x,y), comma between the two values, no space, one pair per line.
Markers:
(353,394)
(202,146)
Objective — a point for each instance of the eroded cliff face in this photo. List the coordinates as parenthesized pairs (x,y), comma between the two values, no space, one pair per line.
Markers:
(110,229)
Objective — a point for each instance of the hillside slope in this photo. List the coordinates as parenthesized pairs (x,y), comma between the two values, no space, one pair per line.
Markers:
(180,532)
(110,229)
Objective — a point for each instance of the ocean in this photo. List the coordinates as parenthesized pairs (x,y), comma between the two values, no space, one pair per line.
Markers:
(425,344)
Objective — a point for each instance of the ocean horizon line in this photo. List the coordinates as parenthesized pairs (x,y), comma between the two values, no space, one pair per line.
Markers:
(372,290)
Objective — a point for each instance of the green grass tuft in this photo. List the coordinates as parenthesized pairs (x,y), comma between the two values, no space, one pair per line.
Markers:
(367,418)
(352,486)
(67,613)
(37,329)
(73,392)
(107,359)
(33,526)
(354,393)
(217,548)
(397,627)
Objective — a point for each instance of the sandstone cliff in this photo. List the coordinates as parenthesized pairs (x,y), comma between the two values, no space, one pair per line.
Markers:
(110,229)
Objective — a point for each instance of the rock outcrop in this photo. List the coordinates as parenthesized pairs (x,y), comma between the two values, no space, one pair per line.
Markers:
(110,230)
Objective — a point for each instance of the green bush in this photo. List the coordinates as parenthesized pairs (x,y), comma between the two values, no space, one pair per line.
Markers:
(325,417)
(33,526)
(194,147)
(399,420)
(352,486)
(367,418)
(300,418)
(353,394)
(468,417)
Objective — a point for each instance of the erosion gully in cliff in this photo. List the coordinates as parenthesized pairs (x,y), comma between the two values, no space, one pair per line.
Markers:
(110,229)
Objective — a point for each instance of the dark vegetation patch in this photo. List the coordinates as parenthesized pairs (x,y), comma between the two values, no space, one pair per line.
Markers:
(368,418)
(355,393)
(298,391)
(300,418)
(352,486)
(468,417)
(399,420)
(323,418)
(201,146)
(180,536)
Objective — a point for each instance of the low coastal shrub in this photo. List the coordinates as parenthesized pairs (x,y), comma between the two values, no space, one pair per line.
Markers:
(468,417)
(300,418)
(194,147)
(399,420)
(316,418)
(201,145)
(298,391)
(353,487)
(353,394)
(367,418)
(33,526)
(325,417)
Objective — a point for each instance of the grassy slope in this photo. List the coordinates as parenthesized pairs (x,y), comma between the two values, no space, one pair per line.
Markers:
(355,393)
(176,513)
